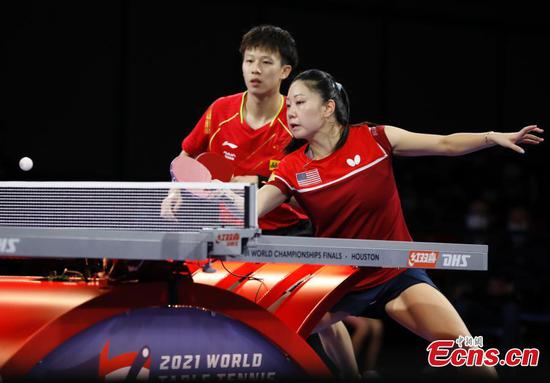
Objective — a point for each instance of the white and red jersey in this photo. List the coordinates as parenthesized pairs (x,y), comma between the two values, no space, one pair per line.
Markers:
(349,194)
(223,129)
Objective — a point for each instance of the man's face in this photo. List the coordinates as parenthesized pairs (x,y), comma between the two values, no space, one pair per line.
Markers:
(263,71)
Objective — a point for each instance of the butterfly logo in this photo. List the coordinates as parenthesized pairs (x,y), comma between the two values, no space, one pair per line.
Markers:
(355,161)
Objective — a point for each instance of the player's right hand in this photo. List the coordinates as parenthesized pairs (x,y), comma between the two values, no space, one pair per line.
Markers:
(170,205)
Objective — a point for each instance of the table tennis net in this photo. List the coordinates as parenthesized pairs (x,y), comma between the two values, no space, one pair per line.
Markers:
(122,205)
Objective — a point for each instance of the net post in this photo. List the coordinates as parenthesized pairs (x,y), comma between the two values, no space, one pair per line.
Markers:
(250,212)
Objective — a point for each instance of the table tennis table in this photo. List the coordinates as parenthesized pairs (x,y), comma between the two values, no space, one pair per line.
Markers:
(105,238)
(272,290)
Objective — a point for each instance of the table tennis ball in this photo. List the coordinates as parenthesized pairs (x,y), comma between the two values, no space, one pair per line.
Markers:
(25,163)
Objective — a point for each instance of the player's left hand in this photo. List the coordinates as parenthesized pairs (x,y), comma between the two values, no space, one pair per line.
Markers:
(511,140)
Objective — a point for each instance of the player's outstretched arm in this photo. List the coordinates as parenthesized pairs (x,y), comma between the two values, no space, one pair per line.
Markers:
(406,143)
(269,197)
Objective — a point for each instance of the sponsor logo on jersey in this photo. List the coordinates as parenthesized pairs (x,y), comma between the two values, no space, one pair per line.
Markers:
(208,121)
(230,144)
(273,164)
(355,161)
(229,155)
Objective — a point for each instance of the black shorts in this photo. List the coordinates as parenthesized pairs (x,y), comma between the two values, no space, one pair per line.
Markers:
(371,303)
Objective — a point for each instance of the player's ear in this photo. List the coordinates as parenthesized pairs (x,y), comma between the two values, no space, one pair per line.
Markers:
(285,71)
(330,108)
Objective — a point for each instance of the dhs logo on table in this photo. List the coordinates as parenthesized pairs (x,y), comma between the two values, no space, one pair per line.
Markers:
(455,260)
(8,245)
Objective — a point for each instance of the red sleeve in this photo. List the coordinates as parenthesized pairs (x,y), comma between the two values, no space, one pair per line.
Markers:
(197,141)
(282,185)
(279,179)
(379,134)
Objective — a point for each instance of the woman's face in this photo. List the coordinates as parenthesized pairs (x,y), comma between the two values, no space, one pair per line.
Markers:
(263,71)
(306,111)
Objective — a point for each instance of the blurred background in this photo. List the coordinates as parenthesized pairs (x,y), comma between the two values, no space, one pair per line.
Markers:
(106,90)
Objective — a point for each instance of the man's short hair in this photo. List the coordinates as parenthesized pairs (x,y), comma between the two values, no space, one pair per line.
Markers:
(274,39)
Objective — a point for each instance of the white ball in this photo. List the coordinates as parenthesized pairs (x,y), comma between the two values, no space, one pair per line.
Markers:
(25,163)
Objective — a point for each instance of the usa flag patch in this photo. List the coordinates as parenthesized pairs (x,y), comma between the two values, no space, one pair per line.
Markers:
(310,177)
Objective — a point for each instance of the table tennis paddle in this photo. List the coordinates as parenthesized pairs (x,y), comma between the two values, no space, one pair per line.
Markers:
(187,169)
(220,167)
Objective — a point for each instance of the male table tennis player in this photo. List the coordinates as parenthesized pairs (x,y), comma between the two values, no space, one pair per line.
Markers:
(249,128)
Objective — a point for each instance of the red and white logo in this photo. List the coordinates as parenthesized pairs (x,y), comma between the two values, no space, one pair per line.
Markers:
(228,239)
(130,366)
(423,258)
(468,351)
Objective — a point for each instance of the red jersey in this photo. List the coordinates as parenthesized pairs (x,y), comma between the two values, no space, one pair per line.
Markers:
(223,129)
(349,194)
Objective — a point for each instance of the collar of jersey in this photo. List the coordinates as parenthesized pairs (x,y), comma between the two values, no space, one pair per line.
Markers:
(241,111)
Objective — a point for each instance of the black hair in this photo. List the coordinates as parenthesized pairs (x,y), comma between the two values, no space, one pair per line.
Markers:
(324,84)
(272,38)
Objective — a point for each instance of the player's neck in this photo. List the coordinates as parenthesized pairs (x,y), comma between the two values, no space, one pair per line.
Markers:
(259,110)
(322,144)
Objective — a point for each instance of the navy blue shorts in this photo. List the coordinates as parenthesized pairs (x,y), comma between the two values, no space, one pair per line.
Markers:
(371,303)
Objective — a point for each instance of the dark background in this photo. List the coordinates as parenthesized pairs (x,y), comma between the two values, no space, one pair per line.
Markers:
(106,90)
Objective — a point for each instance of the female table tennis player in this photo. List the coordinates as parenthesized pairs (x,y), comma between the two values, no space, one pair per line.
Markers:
(342,176)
